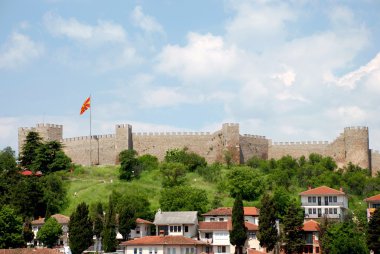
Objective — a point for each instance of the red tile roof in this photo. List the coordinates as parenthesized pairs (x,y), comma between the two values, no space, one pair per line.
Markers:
(213,225)
(27,173)
(322,190)
(227,211)
(61,219)
(373,198)
(163,240)
(311,225)
(252,251)
(224,225)
(141,221)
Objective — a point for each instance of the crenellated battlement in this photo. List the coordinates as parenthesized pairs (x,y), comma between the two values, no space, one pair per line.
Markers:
(48,125)
(119,126)
(171,133)
(356,128)
(94,137)
(231,124)
(301,143)
(253,136)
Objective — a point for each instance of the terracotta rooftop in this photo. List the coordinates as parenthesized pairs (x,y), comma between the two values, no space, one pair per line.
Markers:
(141,221)
(311,225)
(30,251)
(163,240)
(252,251)
(322,190)
(224,225)
(227,211)
(26,173)
(61,219)
(373,198)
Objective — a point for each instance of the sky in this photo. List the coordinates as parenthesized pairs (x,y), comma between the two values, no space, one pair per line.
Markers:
(297,70)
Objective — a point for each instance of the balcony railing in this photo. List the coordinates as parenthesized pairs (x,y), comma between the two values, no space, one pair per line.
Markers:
(323,204)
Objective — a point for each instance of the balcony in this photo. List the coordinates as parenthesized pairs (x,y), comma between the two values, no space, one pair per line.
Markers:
(329,204)
(206,240)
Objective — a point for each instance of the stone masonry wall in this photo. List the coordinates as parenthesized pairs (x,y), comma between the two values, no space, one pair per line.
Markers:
(351,145)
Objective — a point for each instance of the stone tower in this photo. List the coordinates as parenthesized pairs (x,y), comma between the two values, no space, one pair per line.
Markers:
(357,146)
(123,140)
(231,134)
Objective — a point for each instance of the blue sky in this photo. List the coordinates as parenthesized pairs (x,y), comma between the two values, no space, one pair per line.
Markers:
(295,70)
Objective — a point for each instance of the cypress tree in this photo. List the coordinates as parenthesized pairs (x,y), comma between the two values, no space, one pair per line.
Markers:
(373,236)
(293,232)
(80,229)
(109,230)
(268,234)
(238,234)
(28,154)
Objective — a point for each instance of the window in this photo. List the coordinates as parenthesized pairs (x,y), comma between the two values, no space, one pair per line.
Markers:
(317,249)
(252,235)
(221,219)
(137,230)
(314,210)
(150,250)
(309,238)
(175,229)
(189,250)
(314,199)
(171,250)
(326,211)
(155,251)
(310,211)
(335,199)
(135,250)
(330,198)
(309,199)
(330,211)
(208,235)
(316,234)
(221,249)
(186,228)
(171,229)
(212,219)
(335,210)
(140,250)
(319,212)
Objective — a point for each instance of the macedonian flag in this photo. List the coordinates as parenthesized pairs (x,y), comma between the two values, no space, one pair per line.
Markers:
(85,106)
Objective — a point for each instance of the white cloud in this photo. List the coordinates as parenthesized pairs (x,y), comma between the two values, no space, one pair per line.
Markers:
(145,22)
(19,50)
(204,56)
(348,114)
(103,32)
(163,97)
(287,78)
(286,95)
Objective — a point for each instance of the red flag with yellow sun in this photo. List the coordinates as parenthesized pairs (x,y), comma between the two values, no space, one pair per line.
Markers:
(86,105)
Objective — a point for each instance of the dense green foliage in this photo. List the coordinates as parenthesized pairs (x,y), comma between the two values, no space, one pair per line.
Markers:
(130,166)
(50,158)
(109,230)
(293,237)
(29,150)
(7,160)
(246,182)
(238,234)
(50,232)
(80,229)
(173,174)
(191,160)
(97,218)
(184,198)
(373,236)
(10,229)
(268,234)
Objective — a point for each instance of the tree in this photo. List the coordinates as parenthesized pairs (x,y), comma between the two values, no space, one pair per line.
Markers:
(129,165)
(281,201)
(191,160)
(80,229)
(184,198)
(98,220)
(245,181)
(109,229)
(268,234)
(10,229)
(50,158)
(238,234)
(50,232)
(173,174)
(148,162)
(7,160)
(54,193)
(27,231)
(29,150)
(373,236)
(293,232)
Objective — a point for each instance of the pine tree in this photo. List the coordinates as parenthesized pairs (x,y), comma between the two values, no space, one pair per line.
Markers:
(373,236)
(238,234)
(80,229)
(268,234)
(109,230)
(293,232)
(29,150)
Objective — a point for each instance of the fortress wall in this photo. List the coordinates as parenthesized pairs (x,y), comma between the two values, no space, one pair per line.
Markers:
(158,143)
(253,145)
(231,142)
(297,149)
(357,146)
(102,149)
(337,150)
(375,162)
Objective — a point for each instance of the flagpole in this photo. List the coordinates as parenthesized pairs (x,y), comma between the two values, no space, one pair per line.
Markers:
(90,133)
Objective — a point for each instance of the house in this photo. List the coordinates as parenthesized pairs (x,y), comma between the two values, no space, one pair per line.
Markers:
(143,228)
(311,232)
(373,203)
(164,244)
(324,201)
(177,223)
(217,224)
(61,219)
(30,251)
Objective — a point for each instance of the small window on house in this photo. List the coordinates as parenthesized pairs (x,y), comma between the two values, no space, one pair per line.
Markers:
(186,228)
(309,199)
(314,199)
(317,249)
(135,250)
(326,211)
(171,229)
(330,198)
(221,249)
(330,211)
(140,250)
(221,219)
(179,228)
(155,251)
(310,211)
(212,219)
(335,199)
(150,250)
(335,210)
(314,211)
(252,235)
(316,234)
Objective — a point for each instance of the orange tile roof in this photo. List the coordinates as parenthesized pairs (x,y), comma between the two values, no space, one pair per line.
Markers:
(252,251)
(163,240)
(213,225)
(322,190)
(141,221)
(251,226)
(311,225)
(30,251)
(227,211)
(61,219)
(373,198)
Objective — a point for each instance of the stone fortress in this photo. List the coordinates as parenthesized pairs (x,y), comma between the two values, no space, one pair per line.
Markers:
(350,146)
